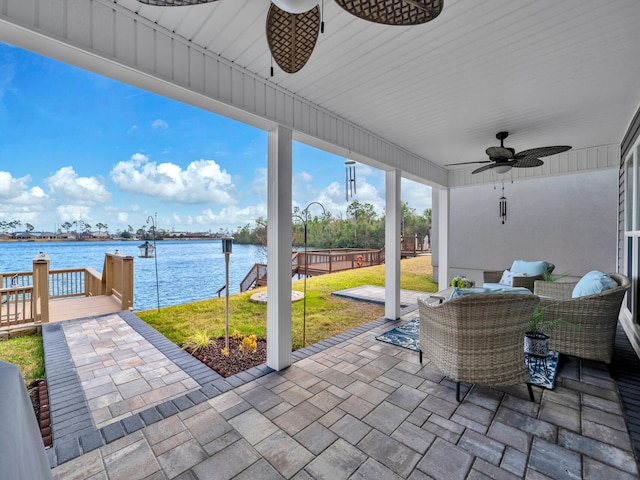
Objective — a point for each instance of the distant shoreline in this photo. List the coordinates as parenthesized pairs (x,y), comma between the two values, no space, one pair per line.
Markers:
(44,240)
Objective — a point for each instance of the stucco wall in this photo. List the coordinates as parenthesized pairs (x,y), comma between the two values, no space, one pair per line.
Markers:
(568,220)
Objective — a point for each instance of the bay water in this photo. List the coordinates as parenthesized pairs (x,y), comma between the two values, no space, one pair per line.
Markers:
(188,271)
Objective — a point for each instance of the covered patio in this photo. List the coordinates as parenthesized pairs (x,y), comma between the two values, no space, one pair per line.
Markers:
(348,407)
(409,101)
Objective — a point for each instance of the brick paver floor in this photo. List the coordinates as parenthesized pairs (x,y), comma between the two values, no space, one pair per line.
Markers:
(353,407)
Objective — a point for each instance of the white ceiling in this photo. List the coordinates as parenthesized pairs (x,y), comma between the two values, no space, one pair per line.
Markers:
(548,71)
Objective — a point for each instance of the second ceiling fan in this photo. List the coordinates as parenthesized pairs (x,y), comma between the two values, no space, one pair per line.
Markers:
(293,25)
(502,159)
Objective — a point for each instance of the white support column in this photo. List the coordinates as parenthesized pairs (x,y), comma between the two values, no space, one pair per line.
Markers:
(392,246)
(279,249)
(443,238)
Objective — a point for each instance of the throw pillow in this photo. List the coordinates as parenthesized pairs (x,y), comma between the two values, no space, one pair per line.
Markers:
(507,278)
(529,268)
(593,282)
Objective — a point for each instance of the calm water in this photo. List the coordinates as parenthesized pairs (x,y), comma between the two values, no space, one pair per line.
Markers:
(187,270)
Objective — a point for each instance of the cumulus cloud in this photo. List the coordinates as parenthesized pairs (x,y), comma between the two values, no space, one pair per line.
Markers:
(70,213)
(66,183)
(232,216)
(203,181)
(18,199)
(123,217)
(159,123)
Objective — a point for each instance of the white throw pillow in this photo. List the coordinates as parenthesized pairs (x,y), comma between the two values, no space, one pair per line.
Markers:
(507,278)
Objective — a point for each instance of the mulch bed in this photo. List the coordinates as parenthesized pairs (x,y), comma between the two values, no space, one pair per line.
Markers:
(237,361)
(40,401)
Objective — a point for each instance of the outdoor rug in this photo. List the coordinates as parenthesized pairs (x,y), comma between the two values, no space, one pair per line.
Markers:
(404,336)
(407,335)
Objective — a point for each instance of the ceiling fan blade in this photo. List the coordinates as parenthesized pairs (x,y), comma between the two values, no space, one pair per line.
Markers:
(499,152)
(527,162)
(542,151)
(292,37)
(393,12)
(174,3)
(467,163)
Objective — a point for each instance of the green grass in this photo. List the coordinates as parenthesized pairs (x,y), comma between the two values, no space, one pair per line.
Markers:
(26,352)
(326,315)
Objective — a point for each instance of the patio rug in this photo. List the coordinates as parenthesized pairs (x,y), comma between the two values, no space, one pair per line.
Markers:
(406,336)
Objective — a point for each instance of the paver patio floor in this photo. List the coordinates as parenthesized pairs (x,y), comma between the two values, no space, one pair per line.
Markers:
(354,407)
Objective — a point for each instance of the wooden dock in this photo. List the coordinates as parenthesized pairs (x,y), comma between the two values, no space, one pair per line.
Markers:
(82,307)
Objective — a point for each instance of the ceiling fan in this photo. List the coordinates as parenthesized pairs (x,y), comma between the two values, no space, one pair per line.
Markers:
(293,25)
(502,158)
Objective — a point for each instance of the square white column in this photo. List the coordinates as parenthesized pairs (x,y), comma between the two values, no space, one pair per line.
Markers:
(392,246)
(279,249)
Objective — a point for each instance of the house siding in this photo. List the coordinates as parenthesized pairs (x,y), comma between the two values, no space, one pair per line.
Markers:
(627,320)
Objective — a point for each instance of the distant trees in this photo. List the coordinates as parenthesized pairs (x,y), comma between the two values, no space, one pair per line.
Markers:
(362,227)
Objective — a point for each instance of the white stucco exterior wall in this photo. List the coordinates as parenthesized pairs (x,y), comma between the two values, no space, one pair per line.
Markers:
(540,225)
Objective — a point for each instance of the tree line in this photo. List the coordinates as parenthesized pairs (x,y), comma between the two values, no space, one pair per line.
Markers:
(361,228)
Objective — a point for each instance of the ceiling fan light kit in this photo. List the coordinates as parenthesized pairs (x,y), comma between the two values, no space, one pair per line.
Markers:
(295,6)
(293,25)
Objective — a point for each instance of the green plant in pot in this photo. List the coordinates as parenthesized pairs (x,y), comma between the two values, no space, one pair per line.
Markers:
(536,341)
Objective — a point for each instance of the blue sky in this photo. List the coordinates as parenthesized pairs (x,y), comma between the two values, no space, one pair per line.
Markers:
(78,146)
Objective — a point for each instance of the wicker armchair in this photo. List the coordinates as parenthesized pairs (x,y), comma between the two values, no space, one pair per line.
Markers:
(478,338)
(596,318)
(494,276)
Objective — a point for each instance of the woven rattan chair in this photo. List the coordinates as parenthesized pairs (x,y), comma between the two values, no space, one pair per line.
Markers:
(595,318)
(478,338)
(494,276)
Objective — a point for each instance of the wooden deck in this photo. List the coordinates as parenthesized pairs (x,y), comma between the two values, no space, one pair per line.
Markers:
(81,307)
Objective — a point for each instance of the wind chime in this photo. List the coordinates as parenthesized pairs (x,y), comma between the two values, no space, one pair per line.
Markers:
(350,179)
(503,205)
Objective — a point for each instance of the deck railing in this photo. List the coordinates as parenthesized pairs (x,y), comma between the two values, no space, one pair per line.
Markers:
(317,262)
(25,296)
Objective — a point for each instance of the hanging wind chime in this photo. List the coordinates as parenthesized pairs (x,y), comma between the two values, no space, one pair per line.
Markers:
(503,205)
(350,179)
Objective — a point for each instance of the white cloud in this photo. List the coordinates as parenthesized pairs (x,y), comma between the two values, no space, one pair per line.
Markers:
(70,213)
(417,195)
(123,217)
(132,129)
(159,123)
(18,201)
(231,217)
(203,181)
(71,188)
(259,184)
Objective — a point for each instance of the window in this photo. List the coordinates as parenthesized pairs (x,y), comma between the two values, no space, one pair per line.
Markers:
(632,228)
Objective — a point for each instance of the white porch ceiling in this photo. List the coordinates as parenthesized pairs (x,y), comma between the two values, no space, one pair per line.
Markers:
(549,72)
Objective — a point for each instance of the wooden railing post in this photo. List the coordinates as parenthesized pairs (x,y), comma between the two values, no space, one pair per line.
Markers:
(127,282)
(41,288)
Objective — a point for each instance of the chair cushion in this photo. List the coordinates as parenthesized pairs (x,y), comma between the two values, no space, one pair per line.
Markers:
(593,282)
(461,292)
(529,268)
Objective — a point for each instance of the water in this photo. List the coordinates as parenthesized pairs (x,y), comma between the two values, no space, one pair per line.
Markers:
(187,270)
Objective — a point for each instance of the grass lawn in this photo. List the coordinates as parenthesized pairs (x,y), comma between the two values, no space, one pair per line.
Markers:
(26,352)
(326,315)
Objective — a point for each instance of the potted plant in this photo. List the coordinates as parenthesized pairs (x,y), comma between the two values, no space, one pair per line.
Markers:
(536,341)
(462,282)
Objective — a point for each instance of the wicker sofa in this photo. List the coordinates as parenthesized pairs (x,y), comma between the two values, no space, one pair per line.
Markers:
(494,276)
(595,318)
(477,338)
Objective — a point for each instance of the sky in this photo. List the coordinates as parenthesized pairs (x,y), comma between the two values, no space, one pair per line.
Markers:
(76,146)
